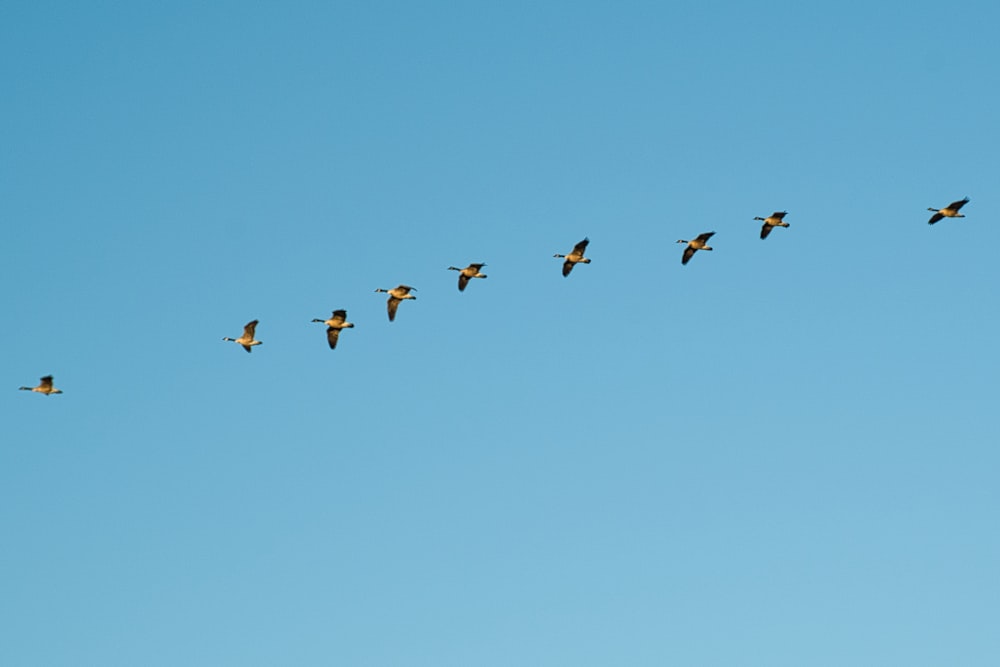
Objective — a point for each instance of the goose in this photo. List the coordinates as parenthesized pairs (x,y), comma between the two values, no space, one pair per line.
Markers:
(949,211)
(246,340)
(776,219)
(336,322)
(397,294)
(471,271)
(575,257)
(695,245)
(44,387)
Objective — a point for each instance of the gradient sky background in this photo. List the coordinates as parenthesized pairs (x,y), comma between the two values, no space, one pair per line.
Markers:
(783,453)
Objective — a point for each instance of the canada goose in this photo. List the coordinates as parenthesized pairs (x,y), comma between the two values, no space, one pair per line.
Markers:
(44,387)
(471,271)
(776,219)
(695,245)
(246,340)
(397,294)
(575,257)
(949,211)
(336,322)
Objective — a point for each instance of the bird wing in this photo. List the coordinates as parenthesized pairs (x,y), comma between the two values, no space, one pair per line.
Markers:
(46,382)
(935,218)
(339,316)
(567,267)
(249,329)
(331,337)
(956,205)
(688,254)
(580,247)
(463,280)
(407,289)
(392,305)
(779,214)
(765,230)
(705,237)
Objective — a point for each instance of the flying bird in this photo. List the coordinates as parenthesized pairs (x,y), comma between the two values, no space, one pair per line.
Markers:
(695,245)
(471,271)
(336,322)
(575,257)
(247,339)
(776,219)
(44,387)
(397,294)
(949,211)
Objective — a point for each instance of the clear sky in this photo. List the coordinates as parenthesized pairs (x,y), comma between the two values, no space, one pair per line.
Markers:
(783,453)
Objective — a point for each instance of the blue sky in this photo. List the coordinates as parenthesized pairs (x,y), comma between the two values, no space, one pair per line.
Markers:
(783,453)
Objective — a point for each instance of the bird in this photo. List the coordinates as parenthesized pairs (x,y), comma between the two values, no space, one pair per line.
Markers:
(247,339)
(949,211)
(471,271)
(397,294)
(44,387)
(776,219)
(575,257)
(336,322)
(695,245)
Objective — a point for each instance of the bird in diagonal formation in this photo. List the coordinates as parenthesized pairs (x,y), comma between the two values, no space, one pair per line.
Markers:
(574,257)
(247,339)
(334,325)
(45,387)
(694,245)
(397,295)
(466,274)
(776,219)
(949,211)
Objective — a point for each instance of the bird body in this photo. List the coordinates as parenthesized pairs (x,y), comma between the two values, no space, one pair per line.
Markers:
(776,219)
(247,339)
(949,211)
(574,257)
(337,321)
(694,245)
(396,295)
(44,387)
(464,275)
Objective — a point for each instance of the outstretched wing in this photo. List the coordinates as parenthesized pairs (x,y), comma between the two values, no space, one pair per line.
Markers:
(567,267)
(705,237)
(392,305)
(249,329)
(331,337)
(956,205)
(581,247)
(688,254)
(46,383)
(779,214)
(339,316)
(935,218)
(765,230)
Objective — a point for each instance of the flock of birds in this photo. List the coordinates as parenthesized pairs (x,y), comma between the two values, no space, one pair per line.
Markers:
(337,321)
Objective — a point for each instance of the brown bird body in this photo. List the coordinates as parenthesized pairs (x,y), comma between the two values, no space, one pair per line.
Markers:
(396,295)
(337,321)
(949,211)
(44,387)
(575,257)
(469,272)
(776,219)
(694,245)
(247,339)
